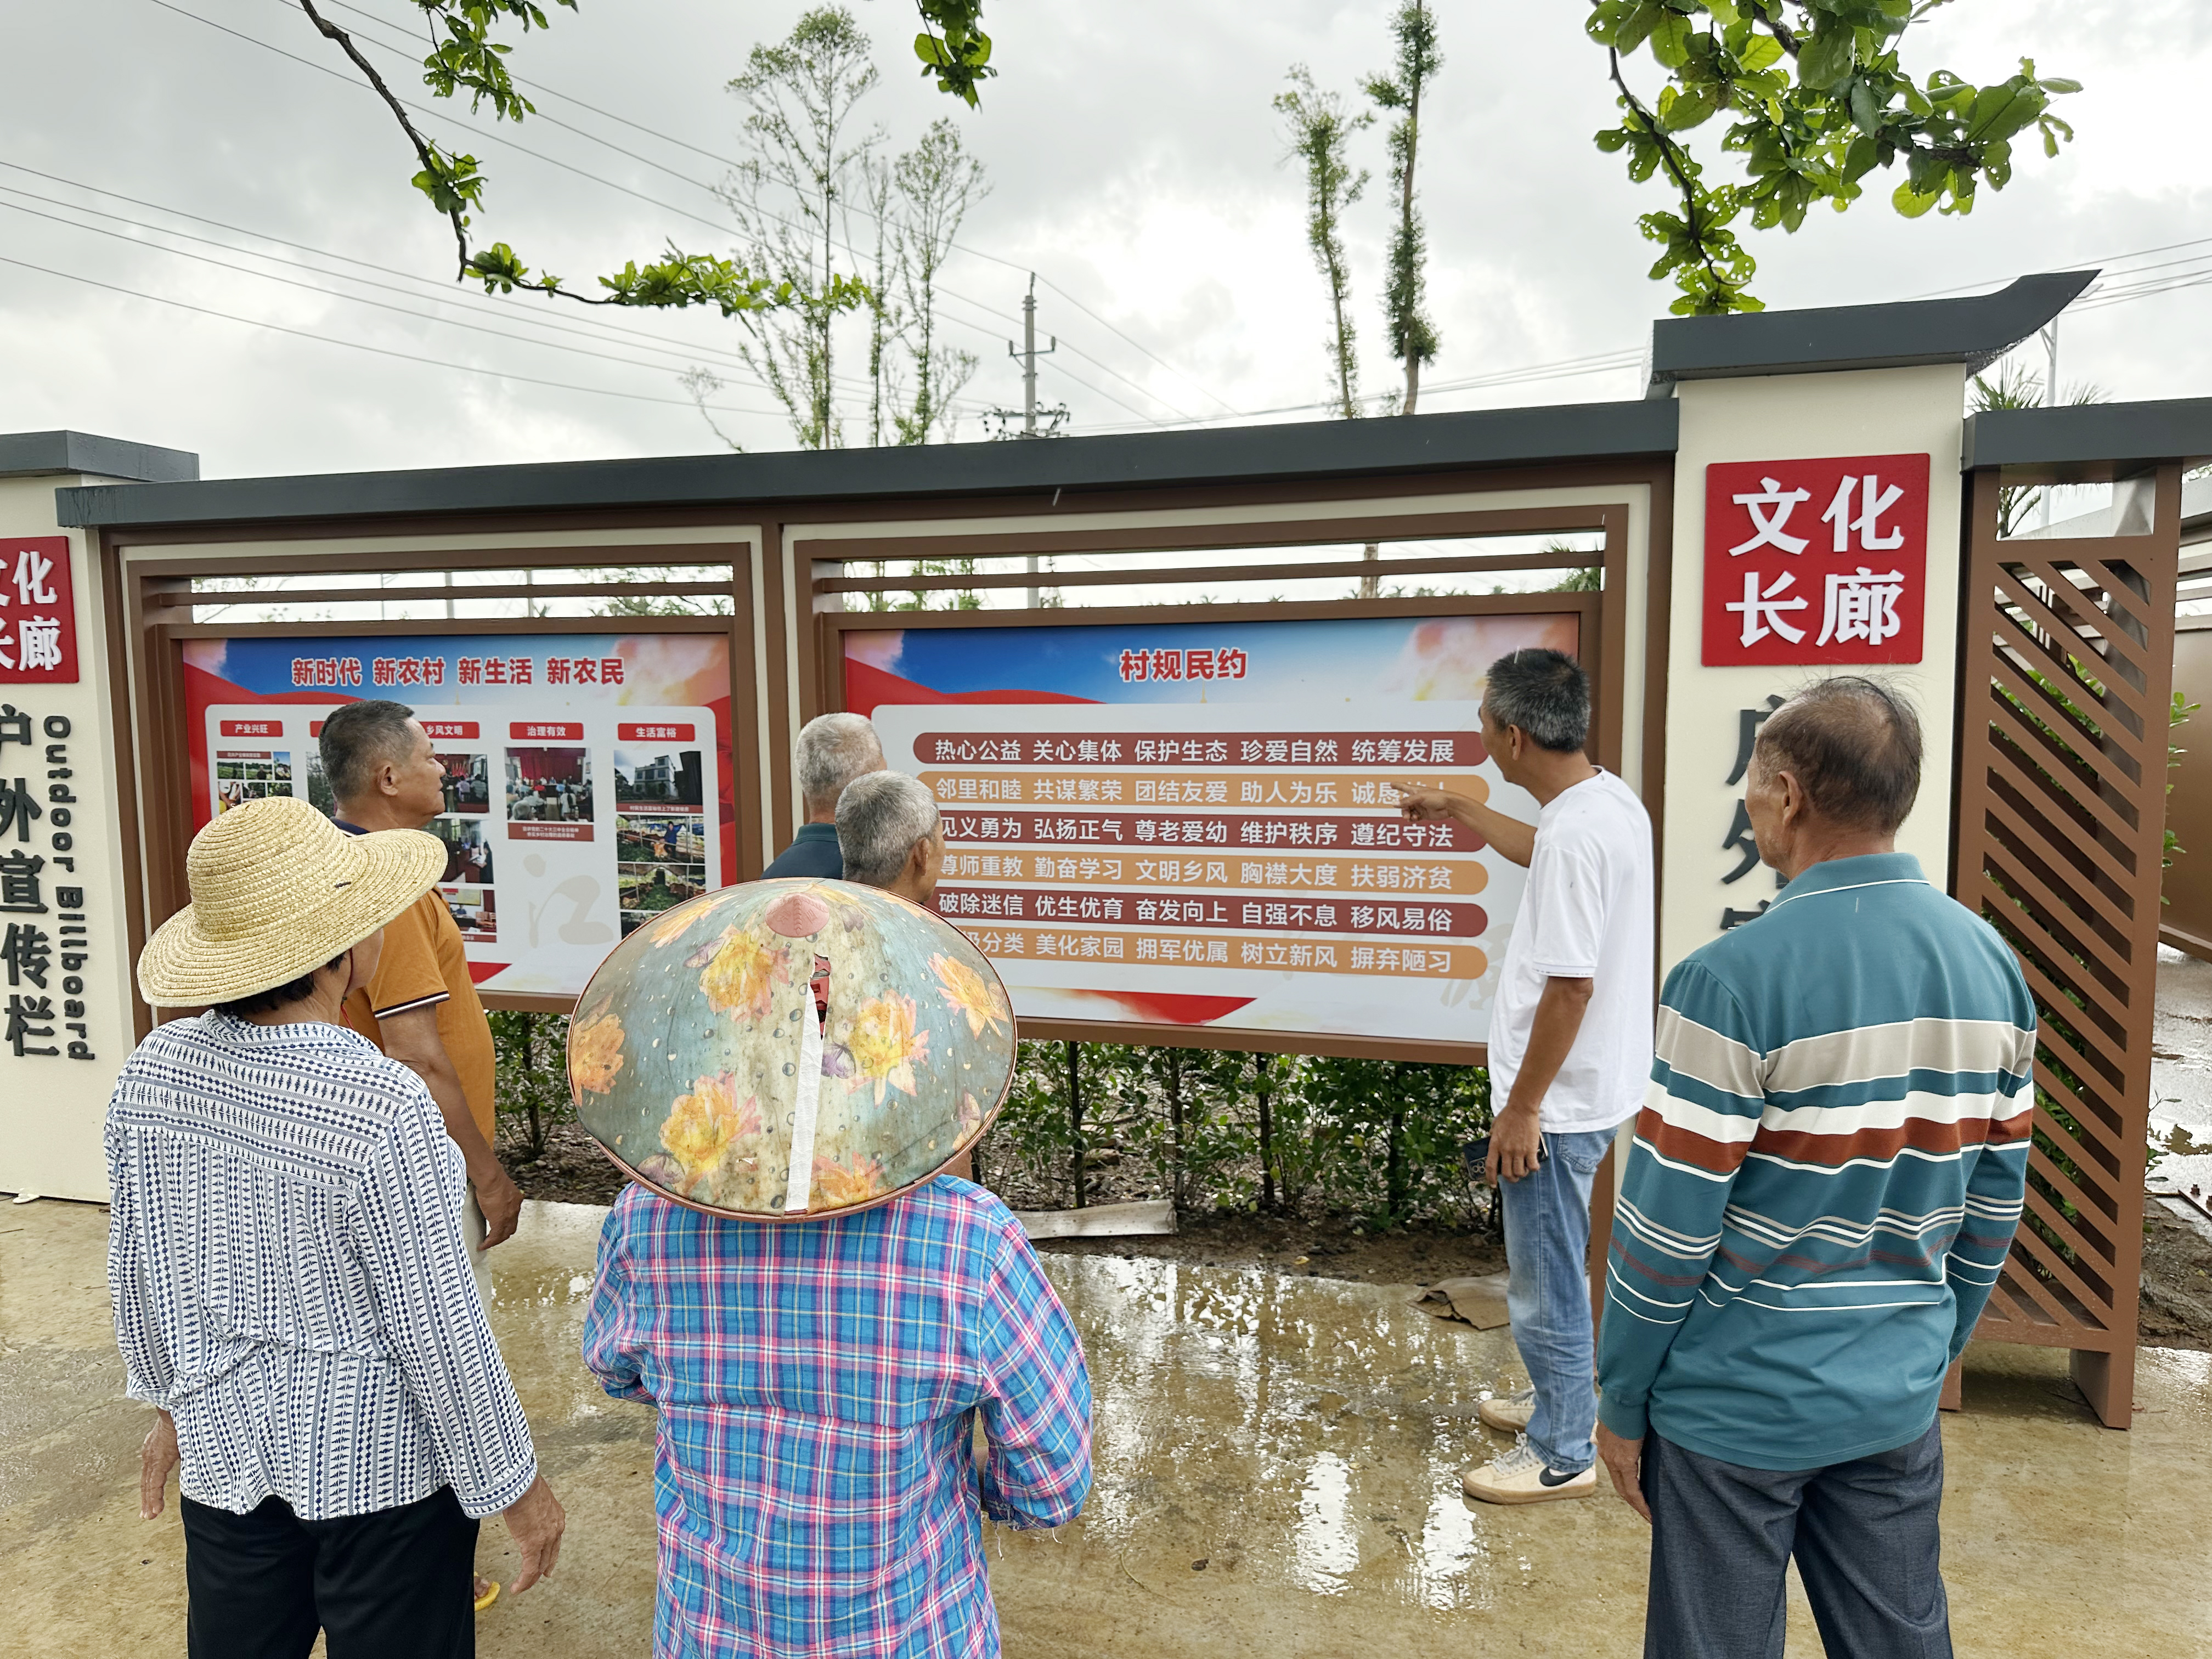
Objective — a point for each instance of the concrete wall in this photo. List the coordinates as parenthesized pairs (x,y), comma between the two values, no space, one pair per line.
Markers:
(52,1107)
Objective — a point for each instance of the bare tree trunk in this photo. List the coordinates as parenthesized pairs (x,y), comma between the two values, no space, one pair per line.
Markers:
(1266,1133)
(1075,1120)
(1178,1181)
(530,1095)
(1393,1170)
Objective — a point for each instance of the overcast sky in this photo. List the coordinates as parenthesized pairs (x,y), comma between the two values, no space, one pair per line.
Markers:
(1135,167)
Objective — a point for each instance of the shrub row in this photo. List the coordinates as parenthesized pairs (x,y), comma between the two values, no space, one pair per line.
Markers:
(1375,1139)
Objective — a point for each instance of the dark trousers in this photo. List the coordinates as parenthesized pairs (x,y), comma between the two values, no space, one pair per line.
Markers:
(1864,1534)
(393,1582)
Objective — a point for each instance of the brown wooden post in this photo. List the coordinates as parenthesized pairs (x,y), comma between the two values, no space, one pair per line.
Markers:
(2066,664)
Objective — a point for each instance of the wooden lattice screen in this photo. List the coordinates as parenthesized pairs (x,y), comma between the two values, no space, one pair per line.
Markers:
(2065,670)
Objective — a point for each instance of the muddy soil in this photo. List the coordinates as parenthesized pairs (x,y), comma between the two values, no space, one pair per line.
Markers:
(2176,1282)
(572,1169)
(2176,1272)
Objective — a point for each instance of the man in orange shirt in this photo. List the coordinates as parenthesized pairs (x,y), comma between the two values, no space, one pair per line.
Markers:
(421,1008)
(420,1005)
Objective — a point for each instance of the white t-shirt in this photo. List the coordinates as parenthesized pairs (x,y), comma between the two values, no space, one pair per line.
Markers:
(1587,913)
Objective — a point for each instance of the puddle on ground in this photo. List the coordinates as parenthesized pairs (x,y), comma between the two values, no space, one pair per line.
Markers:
(1301,1431)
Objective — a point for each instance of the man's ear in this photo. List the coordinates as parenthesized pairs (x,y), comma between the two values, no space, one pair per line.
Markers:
(1794,800)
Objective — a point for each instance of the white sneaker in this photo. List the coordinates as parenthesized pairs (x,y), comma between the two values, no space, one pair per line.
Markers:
(1520,1476)
(1508,1413)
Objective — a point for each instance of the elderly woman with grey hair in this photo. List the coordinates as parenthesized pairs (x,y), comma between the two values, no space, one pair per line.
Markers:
(891,836)
(833,750)
(889,832)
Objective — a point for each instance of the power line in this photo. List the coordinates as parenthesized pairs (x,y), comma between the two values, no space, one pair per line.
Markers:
(359,345)
(1567,369)
(712,155)
(441,291)
(1109,328)
(336,294)
(669,207)
(846,247)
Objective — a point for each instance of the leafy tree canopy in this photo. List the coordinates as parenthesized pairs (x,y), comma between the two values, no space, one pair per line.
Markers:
(1817,97)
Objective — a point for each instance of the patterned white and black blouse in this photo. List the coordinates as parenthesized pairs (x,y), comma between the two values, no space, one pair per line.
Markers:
(289,1276)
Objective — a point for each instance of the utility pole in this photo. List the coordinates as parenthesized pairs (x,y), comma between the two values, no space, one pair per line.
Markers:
(1027,355)
(2049,401)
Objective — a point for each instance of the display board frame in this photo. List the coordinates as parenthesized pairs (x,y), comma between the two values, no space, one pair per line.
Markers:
(171,839)
(1600,656)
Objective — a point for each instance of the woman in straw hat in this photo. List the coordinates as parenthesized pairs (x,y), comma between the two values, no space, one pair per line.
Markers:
(290,1287)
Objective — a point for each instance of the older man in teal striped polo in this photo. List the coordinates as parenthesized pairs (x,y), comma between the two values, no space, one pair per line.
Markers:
(1827,1171)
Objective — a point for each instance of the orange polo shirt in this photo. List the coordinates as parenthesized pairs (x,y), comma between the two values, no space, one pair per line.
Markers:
(425,966)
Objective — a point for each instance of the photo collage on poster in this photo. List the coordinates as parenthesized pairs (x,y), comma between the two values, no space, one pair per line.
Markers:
(245,774)
(660,823)
(541,784)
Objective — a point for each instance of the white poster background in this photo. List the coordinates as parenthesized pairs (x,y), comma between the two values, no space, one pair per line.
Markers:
(1414,1007)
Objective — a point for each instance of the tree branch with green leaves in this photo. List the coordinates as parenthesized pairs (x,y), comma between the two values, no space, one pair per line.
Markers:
(1819,98)
(465,57)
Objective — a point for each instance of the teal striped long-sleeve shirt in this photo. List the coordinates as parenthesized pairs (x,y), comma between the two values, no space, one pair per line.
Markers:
(1827,1170)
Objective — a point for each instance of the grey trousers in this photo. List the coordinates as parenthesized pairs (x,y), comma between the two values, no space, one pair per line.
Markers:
(1864,1534)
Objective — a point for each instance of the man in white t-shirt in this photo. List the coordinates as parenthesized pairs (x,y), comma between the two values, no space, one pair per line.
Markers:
(1570,1049)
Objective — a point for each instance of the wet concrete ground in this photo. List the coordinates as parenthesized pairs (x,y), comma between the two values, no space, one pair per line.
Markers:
(2181,1047)
(1277,1465)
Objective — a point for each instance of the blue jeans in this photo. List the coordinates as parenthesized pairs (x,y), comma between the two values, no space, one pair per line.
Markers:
(1547,1294)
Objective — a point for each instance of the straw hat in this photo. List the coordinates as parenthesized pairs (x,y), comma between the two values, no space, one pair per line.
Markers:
(278,890)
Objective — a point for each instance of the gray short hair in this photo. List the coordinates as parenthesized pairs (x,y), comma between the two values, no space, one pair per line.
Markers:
(880,817)
(832,751)
(359,737)
(1544,693)
(1853,744)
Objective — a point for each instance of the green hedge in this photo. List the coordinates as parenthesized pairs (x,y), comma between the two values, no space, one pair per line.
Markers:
(1213,1129)
(1373,1139)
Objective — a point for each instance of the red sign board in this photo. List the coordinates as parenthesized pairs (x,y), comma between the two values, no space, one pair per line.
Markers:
(1820,562)
(38,612)
(253,728)
(663,733)
(556,731)
(452,728)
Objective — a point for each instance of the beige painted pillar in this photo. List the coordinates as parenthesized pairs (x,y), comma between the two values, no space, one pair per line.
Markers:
(1862,412)
(52,1105)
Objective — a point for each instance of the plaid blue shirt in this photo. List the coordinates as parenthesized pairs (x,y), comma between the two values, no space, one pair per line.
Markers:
(817,1383)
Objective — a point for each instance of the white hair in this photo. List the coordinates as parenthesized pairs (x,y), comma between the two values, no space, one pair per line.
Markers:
(832,751)
(880,817)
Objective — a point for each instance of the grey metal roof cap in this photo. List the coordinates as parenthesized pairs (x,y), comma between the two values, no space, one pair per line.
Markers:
(51,454)
(1911,333)
(1315,449)
(2090,439)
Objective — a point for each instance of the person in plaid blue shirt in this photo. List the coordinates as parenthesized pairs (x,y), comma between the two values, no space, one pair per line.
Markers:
(817,1384)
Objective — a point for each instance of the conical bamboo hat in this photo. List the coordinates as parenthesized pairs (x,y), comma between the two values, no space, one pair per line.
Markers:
(698,1062)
